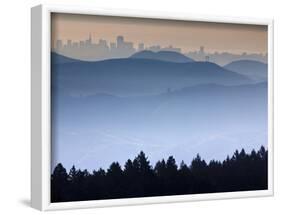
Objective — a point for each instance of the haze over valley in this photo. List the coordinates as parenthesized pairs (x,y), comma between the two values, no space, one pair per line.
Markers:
(162,103)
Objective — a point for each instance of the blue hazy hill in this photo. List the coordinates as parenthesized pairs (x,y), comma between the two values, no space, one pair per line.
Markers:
(163,56)
(130,76)
(201,118)
(61,59)
(220,90)
(253,69)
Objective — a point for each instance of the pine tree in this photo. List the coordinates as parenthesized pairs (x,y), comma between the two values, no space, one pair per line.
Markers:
(59,184)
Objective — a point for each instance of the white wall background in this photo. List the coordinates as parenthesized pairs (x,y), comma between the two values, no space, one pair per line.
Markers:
(15,104)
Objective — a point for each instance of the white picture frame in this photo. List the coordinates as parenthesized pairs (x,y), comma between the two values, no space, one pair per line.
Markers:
(40,107)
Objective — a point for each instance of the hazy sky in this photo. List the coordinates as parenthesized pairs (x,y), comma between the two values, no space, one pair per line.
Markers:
(186,35)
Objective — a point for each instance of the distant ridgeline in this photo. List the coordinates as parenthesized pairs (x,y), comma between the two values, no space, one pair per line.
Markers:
(148,72)
(241,172)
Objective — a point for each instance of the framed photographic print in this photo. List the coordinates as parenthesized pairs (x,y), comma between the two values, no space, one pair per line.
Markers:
(144,107)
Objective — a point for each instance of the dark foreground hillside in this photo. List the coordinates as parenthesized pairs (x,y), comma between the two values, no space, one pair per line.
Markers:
(241,172)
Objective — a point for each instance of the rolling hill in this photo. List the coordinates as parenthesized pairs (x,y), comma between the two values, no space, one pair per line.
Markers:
(61,59)
(163,56)
(253,69)
(130,76)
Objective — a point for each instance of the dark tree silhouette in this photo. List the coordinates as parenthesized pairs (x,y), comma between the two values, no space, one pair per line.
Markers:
(59,184)
(130,175)
(185,179)
(145,176)
(114,179)
(241,172)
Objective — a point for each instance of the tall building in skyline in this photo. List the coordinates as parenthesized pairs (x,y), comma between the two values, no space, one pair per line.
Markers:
(120,41)
(141,47)
(88,42)
(59,44)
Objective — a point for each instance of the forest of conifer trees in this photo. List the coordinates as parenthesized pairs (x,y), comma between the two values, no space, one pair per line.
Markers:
(241,172)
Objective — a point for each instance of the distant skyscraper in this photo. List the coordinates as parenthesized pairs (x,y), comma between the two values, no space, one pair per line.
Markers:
(82,44)
(69,43)
(120,41)
(140,47)
(89,41)
(75,45)
(90,38)
(201,49)
(201,54)
(59,44)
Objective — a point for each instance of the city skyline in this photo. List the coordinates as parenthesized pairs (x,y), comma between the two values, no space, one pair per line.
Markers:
(94,49)
(188,35)
(89,49)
